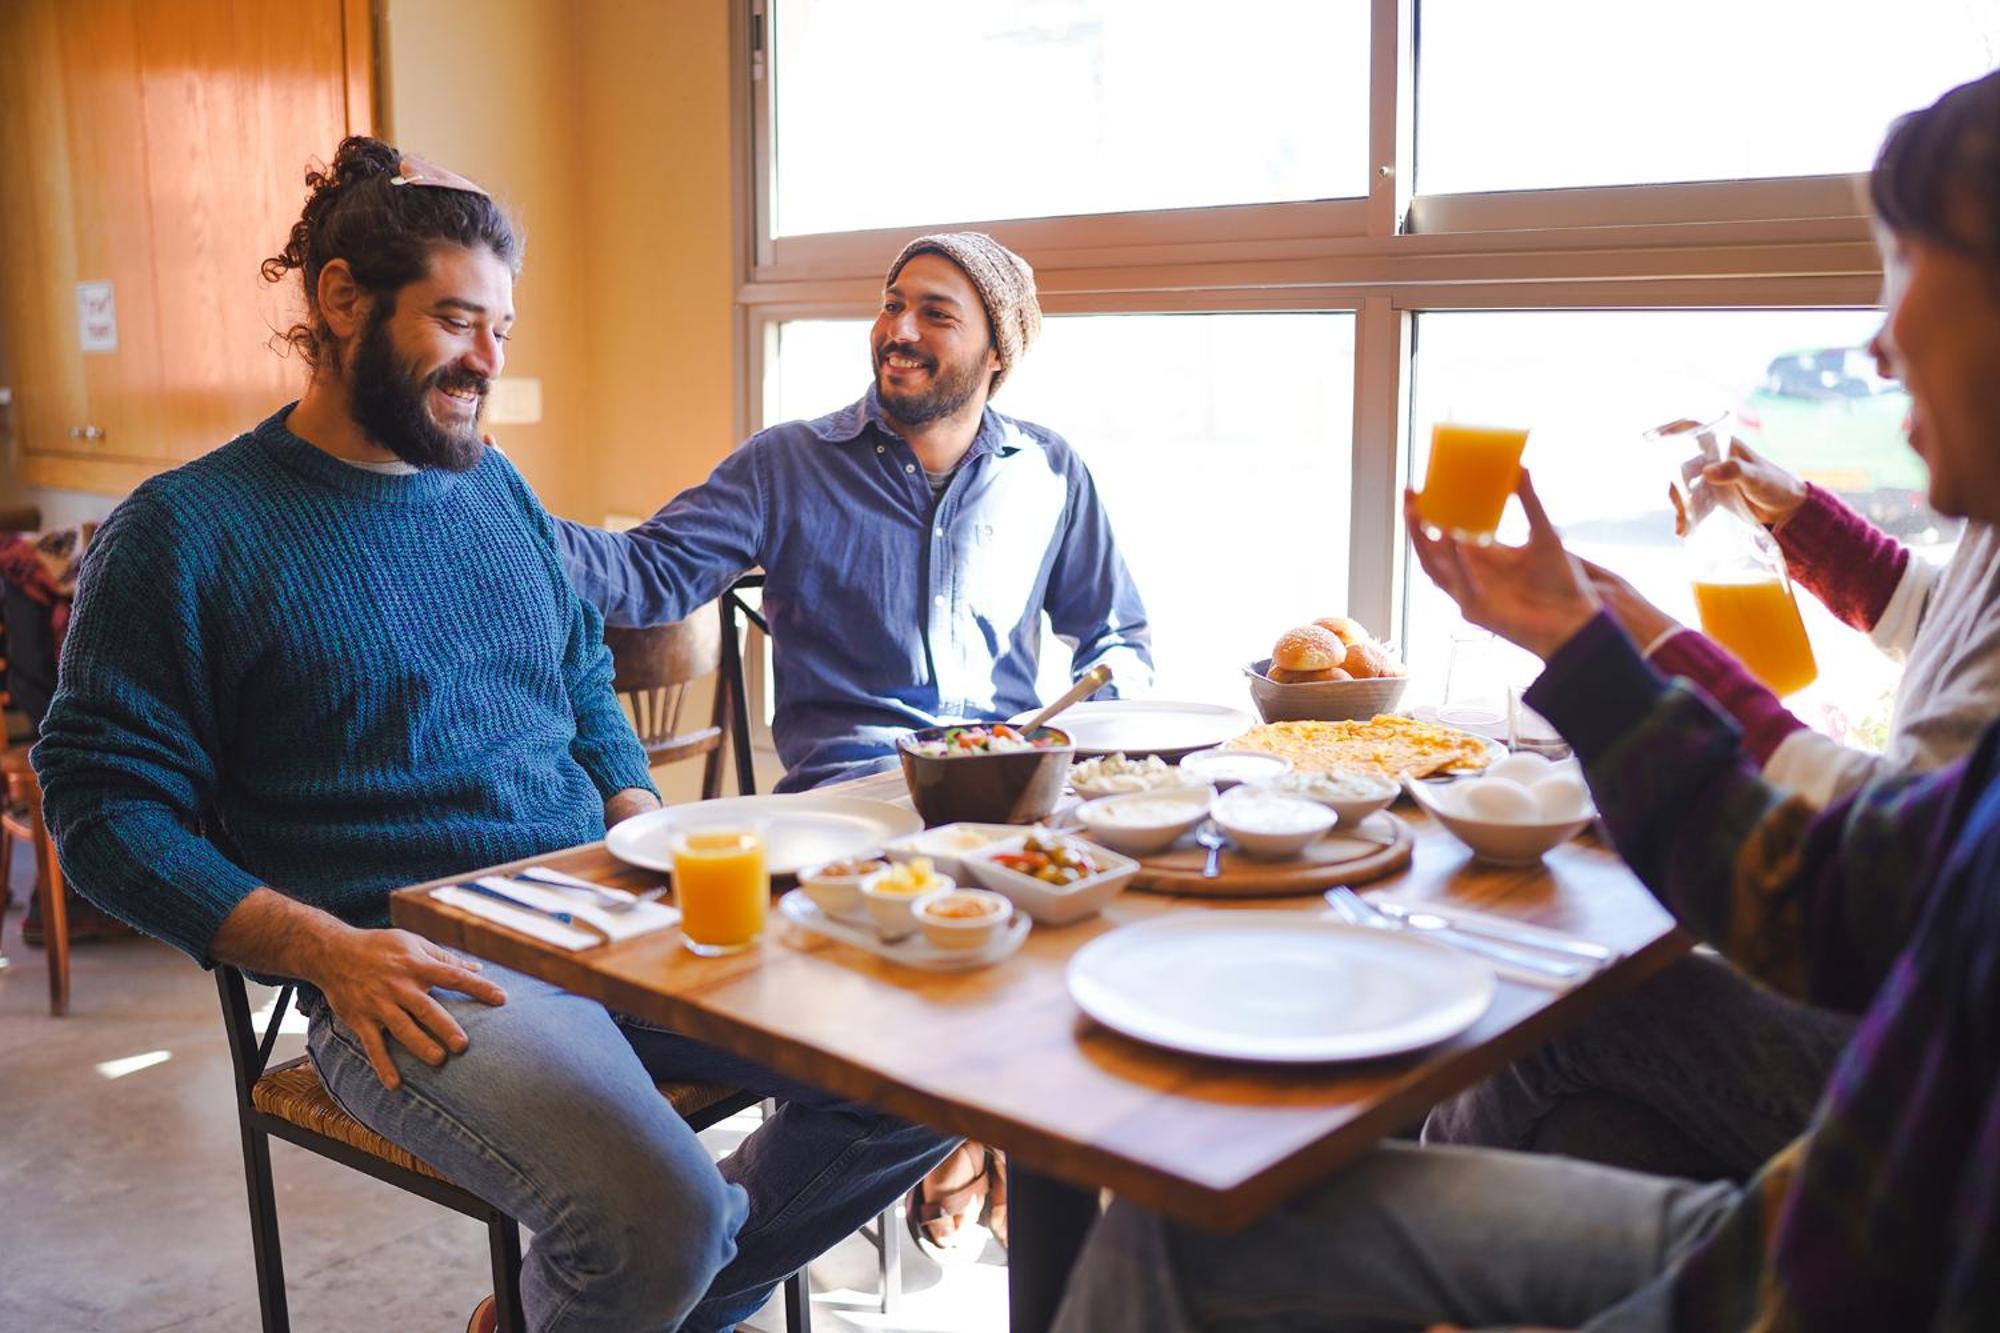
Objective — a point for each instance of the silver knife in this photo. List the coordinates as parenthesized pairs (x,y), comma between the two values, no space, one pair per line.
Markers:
(570,919)
(1533,939)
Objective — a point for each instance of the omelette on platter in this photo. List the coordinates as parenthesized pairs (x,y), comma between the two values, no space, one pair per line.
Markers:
(1393,746)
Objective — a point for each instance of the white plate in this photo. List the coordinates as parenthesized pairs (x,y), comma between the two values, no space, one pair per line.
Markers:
(1285,987)
(799,830)
(911,951)
(1139,727)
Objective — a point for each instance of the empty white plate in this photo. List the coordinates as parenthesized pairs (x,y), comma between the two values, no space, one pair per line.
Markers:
(1286,987)
(1148,726)
(799,830)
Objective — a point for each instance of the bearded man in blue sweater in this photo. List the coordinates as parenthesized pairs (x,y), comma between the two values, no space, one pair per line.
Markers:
(339,654)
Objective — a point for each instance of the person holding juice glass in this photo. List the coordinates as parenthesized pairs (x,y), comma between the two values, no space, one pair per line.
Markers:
(1666,1072)
(723,888)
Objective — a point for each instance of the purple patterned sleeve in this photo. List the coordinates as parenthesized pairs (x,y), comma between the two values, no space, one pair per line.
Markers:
(1851,565)
(1706,663)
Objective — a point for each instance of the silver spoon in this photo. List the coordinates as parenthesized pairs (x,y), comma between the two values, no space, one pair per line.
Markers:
(1093,680)
(1208,835)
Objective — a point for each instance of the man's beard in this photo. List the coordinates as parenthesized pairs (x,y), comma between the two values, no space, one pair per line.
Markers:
(388,404)
(952,387)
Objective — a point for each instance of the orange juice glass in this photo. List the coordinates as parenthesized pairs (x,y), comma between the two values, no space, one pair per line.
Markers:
(1472,471)
(723,889)
(1758,620)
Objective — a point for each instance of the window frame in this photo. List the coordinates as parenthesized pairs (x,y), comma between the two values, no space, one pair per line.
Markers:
(1781,243)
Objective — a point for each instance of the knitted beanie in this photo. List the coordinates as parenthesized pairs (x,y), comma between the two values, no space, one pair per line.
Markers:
(1005,283)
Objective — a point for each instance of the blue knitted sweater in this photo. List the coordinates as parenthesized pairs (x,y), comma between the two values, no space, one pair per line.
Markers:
(287,671)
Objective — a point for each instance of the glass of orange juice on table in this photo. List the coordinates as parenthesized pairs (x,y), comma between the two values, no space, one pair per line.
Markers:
(1472,471)
(722,887)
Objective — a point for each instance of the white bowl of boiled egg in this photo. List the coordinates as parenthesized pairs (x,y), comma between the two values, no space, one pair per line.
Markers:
(1516,811)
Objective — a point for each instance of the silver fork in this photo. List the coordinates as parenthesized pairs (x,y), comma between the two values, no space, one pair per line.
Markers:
(1208,834)
(615,903)
(1364,913)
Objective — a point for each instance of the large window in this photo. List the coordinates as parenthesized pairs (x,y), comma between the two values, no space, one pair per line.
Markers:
(1276,242)
(1240,473)
(893,114)
(1542,94)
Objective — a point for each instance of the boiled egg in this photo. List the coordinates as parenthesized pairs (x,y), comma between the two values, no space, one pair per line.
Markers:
(1561,796)
(1500,801)
(1524,769)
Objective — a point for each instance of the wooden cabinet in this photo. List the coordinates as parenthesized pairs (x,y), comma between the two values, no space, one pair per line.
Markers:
(159,146)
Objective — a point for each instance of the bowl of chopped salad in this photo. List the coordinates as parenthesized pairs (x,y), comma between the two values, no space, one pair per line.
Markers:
(1054,879)
(985,773)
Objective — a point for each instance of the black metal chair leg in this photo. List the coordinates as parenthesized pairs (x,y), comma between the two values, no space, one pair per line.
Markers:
(798,1303)
(264,1233)
(503,1240)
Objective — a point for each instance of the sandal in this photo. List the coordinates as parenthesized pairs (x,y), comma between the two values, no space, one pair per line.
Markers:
(994,1219)
(942,1209)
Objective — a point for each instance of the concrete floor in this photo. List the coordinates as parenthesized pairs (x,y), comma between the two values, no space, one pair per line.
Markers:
(122,1198)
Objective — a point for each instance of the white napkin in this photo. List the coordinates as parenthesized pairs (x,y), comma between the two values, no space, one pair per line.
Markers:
(618,925)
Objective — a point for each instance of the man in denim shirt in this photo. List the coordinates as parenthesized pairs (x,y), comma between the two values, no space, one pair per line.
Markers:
(910,542)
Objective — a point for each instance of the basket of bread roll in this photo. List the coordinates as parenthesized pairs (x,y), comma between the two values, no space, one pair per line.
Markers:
(1328,671)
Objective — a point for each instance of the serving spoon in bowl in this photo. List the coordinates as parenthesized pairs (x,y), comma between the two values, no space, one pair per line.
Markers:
(1090,683)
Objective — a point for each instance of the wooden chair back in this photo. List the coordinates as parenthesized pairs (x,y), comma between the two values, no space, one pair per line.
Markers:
(653,670)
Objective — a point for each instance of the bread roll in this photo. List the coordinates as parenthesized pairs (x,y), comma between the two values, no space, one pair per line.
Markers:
(1345,628)
(1284,677)
(1308,648)
(1368,660)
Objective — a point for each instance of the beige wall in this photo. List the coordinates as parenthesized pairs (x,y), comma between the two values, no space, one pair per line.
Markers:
(603,125)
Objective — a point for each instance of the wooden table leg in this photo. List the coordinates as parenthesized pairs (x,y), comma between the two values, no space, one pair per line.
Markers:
(1047,1221)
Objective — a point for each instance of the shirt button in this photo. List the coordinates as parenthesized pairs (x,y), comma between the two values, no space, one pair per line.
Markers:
(937,532)
(939,599)
(909,467)
(881,449)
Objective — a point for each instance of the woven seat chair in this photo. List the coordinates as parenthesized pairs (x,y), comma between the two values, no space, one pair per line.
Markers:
(289,1102)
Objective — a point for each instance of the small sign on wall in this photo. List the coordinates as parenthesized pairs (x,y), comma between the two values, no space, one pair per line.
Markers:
(96,317)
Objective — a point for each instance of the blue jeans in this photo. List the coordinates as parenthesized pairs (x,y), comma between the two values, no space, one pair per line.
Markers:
(551,1114)
(1700,1073)
(1404,1238)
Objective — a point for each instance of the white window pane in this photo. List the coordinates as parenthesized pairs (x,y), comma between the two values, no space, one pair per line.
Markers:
(1545,94)
(1590,383)
(889,115)
(1220,443)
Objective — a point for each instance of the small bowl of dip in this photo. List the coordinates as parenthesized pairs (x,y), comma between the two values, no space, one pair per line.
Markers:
(1224,768)
(961,918)
(890,894)
(1142,822)
(1271,825)
(1352,796)
(835,887)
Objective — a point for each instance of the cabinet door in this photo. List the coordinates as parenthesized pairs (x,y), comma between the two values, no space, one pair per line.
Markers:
(111,198)
(167,144)
(37,231)
(234,112)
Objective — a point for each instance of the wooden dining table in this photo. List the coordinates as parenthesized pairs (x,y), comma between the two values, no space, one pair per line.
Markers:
(1002,1055)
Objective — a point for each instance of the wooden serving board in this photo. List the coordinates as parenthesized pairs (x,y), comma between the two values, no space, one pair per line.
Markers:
(1338,858)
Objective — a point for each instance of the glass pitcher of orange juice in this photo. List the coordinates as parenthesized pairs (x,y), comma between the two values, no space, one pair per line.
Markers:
(1472,471)
(722,887)
(1742,594)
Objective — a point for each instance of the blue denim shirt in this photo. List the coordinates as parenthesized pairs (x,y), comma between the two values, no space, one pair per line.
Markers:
(888,610)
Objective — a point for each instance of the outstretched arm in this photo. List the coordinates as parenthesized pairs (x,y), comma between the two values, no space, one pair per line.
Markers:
(681,558)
